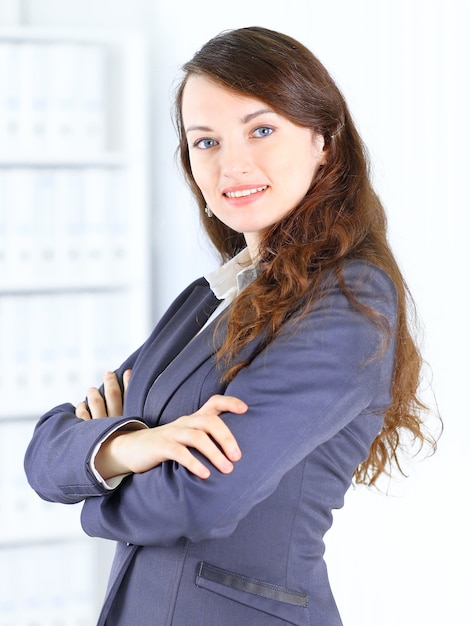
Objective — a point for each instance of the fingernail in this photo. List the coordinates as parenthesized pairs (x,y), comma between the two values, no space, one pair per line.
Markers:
(227,467)
(235,454)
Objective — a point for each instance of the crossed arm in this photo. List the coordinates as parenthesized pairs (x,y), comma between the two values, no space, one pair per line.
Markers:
(141,449)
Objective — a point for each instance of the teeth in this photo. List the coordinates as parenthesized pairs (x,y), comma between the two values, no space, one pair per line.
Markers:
(245,192)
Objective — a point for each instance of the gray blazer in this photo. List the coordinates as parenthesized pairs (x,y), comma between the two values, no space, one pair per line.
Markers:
(244,548)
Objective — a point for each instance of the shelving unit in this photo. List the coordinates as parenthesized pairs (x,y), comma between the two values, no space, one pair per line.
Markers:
(74,283)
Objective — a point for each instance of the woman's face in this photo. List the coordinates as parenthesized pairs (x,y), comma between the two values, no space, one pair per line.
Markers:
(251,164)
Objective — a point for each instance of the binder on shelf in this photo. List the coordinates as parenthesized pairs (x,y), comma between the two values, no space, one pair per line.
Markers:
(107,316)
(53,99)
(33,79)
(68,198)
(44,365)
(19,211)
(72,336)
(63,67)
(29,226)
(69,227)
(92,105)
(96,240)
(55,346)
(44,220)
(119,219)
(3,361)
(10,120)
(77,106)
(3,223)
(14,333)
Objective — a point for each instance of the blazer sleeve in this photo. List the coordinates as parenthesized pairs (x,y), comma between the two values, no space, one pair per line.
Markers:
(57,458)
(315,378)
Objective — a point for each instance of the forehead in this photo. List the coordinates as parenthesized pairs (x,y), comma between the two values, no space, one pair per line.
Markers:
(204,98)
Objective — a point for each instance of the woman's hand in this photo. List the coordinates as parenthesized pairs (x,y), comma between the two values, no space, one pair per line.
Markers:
(140,450)
(109,406)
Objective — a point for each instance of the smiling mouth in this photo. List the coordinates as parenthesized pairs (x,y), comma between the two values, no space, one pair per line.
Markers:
(245,192)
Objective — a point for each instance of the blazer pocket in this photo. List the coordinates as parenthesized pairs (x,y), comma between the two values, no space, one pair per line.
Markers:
(285,604)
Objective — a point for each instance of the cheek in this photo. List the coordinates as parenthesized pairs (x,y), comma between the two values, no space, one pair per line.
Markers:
(202,174)
(197,173)
(286,161)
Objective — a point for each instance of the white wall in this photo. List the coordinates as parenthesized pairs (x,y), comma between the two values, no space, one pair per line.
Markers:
(404,68)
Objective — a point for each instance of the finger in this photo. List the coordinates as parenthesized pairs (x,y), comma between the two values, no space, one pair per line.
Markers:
(179,448)
(217,428)
(185,458)
(221,404)
(126,377)
(202,434)
(219,431)
(96,403)
(113,395)
(223,436)
(82,412)
(218,457)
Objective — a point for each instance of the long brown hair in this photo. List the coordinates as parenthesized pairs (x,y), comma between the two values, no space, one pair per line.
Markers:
(340,218)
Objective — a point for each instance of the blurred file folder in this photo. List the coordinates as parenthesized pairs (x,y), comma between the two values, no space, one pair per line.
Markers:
(52,95)
(63,227)
(10,121)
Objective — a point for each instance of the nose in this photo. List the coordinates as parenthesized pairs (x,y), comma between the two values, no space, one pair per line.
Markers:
(235,159)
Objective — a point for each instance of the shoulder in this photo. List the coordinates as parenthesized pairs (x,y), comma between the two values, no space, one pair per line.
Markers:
(365,278)
(196,285)
(356,290)
(365,293)
(196,297)
(196,290)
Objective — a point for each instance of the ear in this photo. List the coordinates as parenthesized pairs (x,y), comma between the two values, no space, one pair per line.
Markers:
(321,148)
(325,152)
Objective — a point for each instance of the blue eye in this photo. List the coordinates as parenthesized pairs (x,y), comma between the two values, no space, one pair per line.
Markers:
(263,131)
(204,144)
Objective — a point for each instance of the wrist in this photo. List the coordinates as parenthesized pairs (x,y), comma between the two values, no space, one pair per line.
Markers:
(110,460)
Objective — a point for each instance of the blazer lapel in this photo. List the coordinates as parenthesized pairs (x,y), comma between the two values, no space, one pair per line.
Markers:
(176,350)
(173,349)
(186,362)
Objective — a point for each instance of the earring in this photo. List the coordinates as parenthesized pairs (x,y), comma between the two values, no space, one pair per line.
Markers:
(208,211)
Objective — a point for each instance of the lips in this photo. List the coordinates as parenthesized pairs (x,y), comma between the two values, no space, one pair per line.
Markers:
(243,192)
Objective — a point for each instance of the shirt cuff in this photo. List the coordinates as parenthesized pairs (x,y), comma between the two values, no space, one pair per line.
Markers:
(114,481)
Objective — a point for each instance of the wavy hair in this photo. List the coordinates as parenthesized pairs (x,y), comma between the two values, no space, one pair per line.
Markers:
(340,218)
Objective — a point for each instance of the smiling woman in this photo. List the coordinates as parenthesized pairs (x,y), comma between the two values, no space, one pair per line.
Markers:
(252,165)
(215,455)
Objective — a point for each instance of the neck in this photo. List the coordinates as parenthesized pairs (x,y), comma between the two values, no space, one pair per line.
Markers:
(252,240)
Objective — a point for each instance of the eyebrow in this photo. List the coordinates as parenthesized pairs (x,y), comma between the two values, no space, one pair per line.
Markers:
(247,118)
(255,114)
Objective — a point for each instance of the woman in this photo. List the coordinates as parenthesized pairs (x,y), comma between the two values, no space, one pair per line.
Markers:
(264,389)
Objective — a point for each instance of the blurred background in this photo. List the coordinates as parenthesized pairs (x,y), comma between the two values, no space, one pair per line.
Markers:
(98,234)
